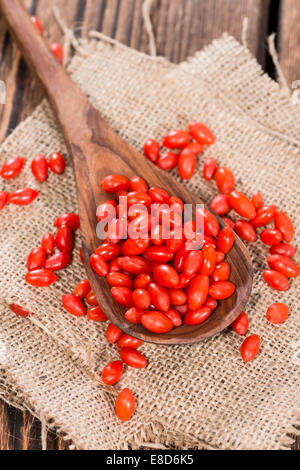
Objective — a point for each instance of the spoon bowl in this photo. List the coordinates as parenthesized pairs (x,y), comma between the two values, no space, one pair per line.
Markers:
(97,151)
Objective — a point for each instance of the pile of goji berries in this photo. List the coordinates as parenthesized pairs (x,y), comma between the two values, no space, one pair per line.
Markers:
(180,139)
(171,273)
(39,167)
(156,269)
(253,212)
(161,276)
(42,262)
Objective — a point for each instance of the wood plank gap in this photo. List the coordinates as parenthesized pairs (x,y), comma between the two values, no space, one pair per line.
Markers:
(101,16)
(273,27)
(81,5)
(114,29)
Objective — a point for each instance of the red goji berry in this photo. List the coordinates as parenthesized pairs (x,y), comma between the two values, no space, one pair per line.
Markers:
(22,197)
(40,278)
(73,305)
(12,167)
(37,23)
(39,167)
(240,325)
(209,169)
(277,313)
(124,404)
(3,199)
(156,322)
(176,139)
(224,179)
(151,150)
(112,372)
(96,314)
(201,133)
(57,51)
(250,348)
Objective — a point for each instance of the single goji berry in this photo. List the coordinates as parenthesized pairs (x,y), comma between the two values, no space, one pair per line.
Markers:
(122,295)
(225,239)
(257,200)
(73,305)
(167,161)
(174,316)
(151,150)
(198,291)
(209,169)
(221,290)
(36,259)
(136,183)
(99,265)
(220,204)
(82,289)
(37,23)
(277,313)
(250,348)
(114,183)
(156,322)
(245,230)
(176,139)
(271,236)
(12,167)
(57,51)
(276,280)
(57,261)
(196,317)
(57,163)
(263,216)
(124,404)
(48,243)
(127,341)
(283,249)
(284,265)
(113,333)
(224,179)
(112,372)
(96,314)
(283,223)
(240,325)
(242,205)
(39,167)
(165,275)
(22,197)
(20,311)
(133,358)
(141,299)
(186,164)
(64,239)
(3,199)
(69,219)
(40,278)
(201,133)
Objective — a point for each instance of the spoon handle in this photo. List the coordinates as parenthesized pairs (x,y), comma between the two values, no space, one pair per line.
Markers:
(65,97)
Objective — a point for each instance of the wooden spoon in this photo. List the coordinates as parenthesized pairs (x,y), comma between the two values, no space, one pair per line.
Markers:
(97,151)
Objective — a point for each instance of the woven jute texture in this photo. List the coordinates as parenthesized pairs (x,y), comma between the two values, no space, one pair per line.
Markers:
(200,396)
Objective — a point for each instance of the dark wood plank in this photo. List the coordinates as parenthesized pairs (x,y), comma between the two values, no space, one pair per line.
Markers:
(5,439)
(181,28)
(289,40)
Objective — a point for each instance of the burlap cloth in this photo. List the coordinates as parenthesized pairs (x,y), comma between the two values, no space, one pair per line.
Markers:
(200,396)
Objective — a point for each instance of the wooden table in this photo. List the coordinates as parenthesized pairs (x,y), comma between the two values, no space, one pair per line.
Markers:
(181,27)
